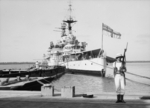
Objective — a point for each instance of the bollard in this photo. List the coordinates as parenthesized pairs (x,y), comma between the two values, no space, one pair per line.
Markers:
(47,90)
(68,92)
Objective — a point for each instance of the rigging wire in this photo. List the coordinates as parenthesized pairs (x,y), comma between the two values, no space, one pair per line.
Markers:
(126,72)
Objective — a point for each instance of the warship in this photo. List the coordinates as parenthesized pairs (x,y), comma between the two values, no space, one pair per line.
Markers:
(72,54)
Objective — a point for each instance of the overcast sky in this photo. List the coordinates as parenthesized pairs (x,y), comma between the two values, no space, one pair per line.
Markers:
(27,26)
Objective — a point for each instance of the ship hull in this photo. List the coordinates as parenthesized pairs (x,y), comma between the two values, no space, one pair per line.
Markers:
(86,72)
(33,73)
(95,66)
(14,80)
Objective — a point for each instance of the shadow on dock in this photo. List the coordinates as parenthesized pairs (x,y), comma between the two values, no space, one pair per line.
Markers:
(38,102)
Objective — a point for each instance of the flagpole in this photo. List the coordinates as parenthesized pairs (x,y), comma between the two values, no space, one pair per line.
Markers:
(102,40)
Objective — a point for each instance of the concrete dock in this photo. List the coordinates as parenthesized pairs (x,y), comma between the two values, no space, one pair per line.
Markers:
(34,99)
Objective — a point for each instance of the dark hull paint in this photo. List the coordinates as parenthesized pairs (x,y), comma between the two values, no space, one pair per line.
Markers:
(86,72)
(34,73)
(34,83)
(36,86)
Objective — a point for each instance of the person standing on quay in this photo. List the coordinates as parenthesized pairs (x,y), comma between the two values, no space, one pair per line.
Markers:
(119,78)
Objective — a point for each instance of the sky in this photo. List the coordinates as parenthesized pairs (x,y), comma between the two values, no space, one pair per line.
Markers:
(28,26)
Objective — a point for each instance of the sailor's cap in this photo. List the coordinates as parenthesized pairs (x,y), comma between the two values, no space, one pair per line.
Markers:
(118,55)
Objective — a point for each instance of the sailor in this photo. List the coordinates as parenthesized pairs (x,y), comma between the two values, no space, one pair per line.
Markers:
(119,78)
(37,65)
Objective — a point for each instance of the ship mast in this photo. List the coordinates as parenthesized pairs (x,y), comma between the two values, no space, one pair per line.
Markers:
(70,20)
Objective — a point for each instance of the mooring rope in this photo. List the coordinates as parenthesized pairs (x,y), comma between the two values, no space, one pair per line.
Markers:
(137,82)
(126,71)
(46,80)
(40,82)
(138,75)
(134,74)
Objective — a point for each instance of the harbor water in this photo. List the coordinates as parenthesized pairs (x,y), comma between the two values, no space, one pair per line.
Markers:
(135,83)
(138,79)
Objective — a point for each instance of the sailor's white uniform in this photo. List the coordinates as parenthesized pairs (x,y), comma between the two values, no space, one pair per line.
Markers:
(119,79)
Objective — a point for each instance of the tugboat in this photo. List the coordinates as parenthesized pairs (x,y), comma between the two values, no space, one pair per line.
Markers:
(72,54)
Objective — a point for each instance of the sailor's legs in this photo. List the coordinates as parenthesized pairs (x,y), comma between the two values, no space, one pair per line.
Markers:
(122,85)
(119,83)
(120,88)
